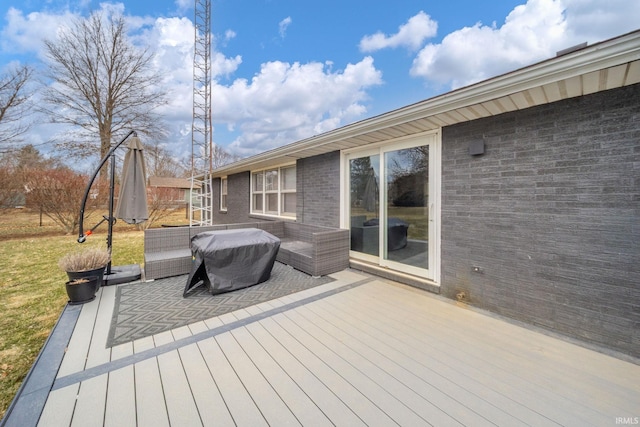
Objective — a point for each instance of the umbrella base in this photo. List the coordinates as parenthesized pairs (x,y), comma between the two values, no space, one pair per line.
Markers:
(122,274)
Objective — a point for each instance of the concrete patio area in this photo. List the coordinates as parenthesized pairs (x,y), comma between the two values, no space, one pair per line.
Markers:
(360,350)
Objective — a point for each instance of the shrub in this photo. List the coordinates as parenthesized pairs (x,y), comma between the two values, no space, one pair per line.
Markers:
(87,260)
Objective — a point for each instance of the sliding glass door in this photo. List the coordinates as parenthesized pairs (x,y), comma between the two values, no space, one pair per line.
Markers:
(392,200)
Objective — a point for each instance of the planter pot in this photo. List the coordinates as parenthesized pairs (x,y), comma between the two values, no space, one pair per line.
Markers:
(98,273)
(81,292)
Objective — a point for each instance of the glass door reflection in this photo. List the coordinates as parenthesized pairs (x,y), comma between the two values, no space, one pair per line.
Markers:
(406,206)
(364,205)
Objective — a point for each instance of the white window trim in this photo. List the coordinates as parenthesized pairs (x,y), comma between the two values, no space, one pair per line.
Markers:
(264,192)
(226,195)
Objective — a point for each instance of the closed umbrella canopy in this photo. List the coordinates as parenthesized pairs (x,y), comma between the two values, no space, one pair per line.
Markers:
(132,199)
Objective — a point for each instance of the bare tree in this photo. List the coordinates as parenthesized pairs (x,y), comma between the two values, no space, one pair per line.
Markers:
(29,157)
(15,167)
(103,84)
(9,190)
(221,157)
(13,105)
(159,162)
(57,192)
(162,202)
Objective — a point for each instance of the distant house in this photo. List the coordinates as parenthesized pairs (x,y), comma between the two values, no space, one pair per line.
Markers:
(173,191)
(519,194)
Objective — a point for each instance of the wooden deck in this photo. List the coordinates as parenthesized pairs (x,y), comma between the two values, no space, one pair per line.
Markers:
(357,351)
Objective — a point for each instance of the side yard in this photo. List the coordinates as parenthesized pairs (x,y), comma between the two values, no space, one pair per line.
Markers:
(32,293)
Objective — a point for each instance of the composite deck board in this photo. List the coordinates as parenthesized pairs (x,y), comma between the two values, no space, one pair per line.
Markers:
(354,372)
(121,350)
(90,404)
(240,403)
(414,393)
(359,403)
(466,344)
(302,407)
(198,327)
(550,351)
(120,407)
(143,344)
(206,394)
(409,365)
(213,322)
(162,338)
(472,355)
(181,332)
(58,410)
(98,352)
(181,407)
(558,359)
(326,401)
(151,410)
(437,407)
(273,409)
(75,358)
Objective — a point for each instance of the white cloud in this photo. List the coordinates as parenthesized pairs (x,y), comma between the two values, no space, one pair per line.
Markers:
(531,32)
(283,25)
(597,20)
(410,35)
(229,34)
(184,5)
(24,34)
(287,102)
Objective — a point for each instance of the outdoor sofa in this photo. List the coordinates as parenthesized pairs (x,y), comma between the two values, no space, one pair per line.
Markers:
(313,249)
(365,234)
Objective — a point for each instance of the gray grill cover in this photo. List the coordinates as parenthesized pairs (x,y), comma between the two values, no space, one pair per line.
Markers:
(227,260)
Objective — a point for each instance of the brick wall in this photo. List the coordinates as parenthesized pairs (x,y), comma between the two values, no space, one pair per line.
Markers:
(238,199)
(318,188)
(551,215)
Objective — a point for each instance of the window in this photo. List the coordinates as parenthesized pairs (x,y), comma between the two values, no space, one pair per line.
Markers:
(273,191)
(223,194)
(288,192)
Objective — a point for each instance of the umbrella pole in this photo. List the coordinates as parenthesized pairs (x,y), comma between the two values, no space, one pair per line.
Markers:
(112,185)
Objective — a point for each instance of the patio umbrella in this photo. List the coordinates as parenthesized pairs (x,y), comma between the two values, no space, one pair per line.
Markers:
(132,199)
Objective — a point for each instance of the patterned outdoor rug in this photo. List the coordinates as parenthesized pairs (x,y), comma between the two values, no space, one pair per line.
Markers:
(144,309)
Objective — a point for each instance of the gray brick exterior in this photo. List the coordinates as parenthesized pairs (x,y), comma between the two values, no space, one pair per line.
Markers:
(551,215)
(318,187)
(238,199)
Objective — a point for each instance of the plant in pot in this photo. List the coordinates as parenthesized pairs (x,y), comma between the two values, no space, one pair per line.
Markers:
(85,264)
(81,289)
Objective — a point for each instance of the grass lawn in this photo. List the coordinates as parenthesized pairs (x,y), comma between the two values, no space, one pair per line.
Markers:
(32,293)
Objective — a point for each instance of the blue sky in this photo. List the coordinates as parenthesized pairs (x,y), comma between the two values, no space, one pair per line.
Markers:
(285,70)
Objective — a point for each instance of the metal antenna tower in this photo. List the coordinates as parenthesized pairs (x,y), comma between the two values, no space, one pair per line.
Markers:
(201,206)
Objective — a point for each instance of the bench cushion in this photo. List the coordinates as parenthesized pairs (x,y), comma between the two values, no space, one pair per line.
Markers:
(297,246)
(166,255)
